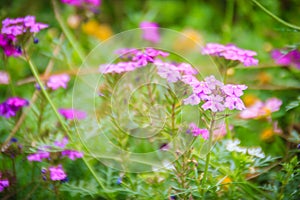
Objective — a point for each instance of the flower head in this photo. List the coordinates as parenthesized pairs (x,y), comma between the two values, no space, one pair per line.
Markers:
(196,131)
(57,81)
(71,114)
(150,31)
(289,58)
(38,157)
(4,77)
(62,144)
(72,154)
(231,52)
(11,106)
(57,173)
(4,183)
(82,3)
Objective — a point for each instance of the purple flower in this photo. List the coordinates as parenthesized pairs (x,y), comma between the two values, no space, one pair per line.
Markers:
(4,78)
(11,106)
(71,114)
(233,102)
(3,184)
(214,103)
(7,44)
(82,3)
(57,173)
(72,154)
(290,58)
(196,131)
(62,143)
(150,31)
(192,100)
(57,81)
(212,82)
(234,90)
(38,157)
(231,52)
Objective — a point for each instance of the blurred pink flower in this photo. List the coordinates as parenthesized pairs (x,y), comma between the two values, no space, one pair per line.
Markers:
(196,131)
(72,154)
(62,144)
(150,31)
(57,173)
(4,78)
(4,183)
(71,114)
(38,157)
(11,106)
(57,81)
(289,58)
(81,3)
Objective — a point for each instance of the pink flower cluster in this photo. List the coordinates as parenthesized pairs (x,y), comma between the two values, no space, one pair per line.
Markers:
(55,173)
(4,183)
(11,106)
(150,31)
(12,28)
(4,77)
(71,114)
(231,52)
(136,59)
(261,109)
(71,154)
(215,95)
(81,3)
(289,58)
(57,81)
(196,131)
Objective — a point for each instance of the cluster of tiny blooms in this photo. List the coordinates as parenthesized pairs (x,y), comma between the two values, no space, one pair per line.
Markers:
(12,28)
(55,173)
(233,145)
(81,3)
(4,183)
(4,77)
(261,109)
(231,52)
(289,58)
(58,81)
(214,94)
(135,58)
(72,114)
(41,155)
(196,131)
(150,31)
(11,106)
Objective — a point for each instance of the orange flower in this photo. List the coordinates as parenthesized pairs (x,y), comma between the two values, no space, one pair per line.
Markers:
(189,39)
(250,99)
(267,134)
(100,31)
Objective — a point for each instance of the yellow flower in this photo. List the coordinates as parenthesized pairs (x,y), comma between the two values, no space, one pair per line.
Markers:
(189,39)
(267,134)
(226,183)
(264,78)
(100,31)
(250,99)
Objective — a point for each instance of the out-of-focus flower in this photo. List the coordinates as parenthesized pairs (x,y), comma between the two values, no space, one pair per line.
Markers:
(4,77)
(261,109)
(100,31)
(57,81)
(220,131)
(233,145)
(72,154)
(231,52)
(71,114)
(4,183)
(264,77)
(289,58)
(189,40)
(250,99)
(62,144)
(38,157)
(82,3)
(11,106)
(150,31)
(57,173)
(268,134)
(73,21)
(196,131)
(7,44)
(256,151)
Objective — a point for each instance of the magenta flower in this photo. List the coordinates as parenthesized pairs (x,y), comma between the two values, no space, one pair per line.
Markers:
(71,114)
(214,103)
(150,31)
(57,81)
(57,173)
(234,90)
(4,183)
(82,3)
(4,78)
(72,154)
(7,44)
(196,131)
(11,106)
(231,52)
(38,157)
(290,58)
(62,144)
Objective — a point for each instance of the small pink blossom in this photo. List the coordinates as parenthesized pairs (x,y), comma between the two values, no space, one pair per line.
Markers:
(150,31)
(72,154)
(57,81)
(196,131)
(71,114)
(38,157)
(62,144)
(289,58)
(214,103)
(57,173)
(4,78)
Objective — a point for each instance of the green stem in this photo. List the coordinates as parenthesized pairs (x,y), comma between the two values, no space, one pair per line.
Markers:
(275,17)
(211,128)
(67,32)
(60,119)
(228,21)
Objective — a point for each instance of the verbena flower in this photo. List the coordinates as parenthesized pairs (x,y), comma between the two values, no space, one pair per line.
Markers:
(62,144)
(231,52)
(71,114)
(289,58)
(11,106)
(196,131)
(38,157)
(8,46)
(150,31)
(72,154)
(82,3)
(57,173)
(57,81)
(214,95)
(261,109)
(4,183)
